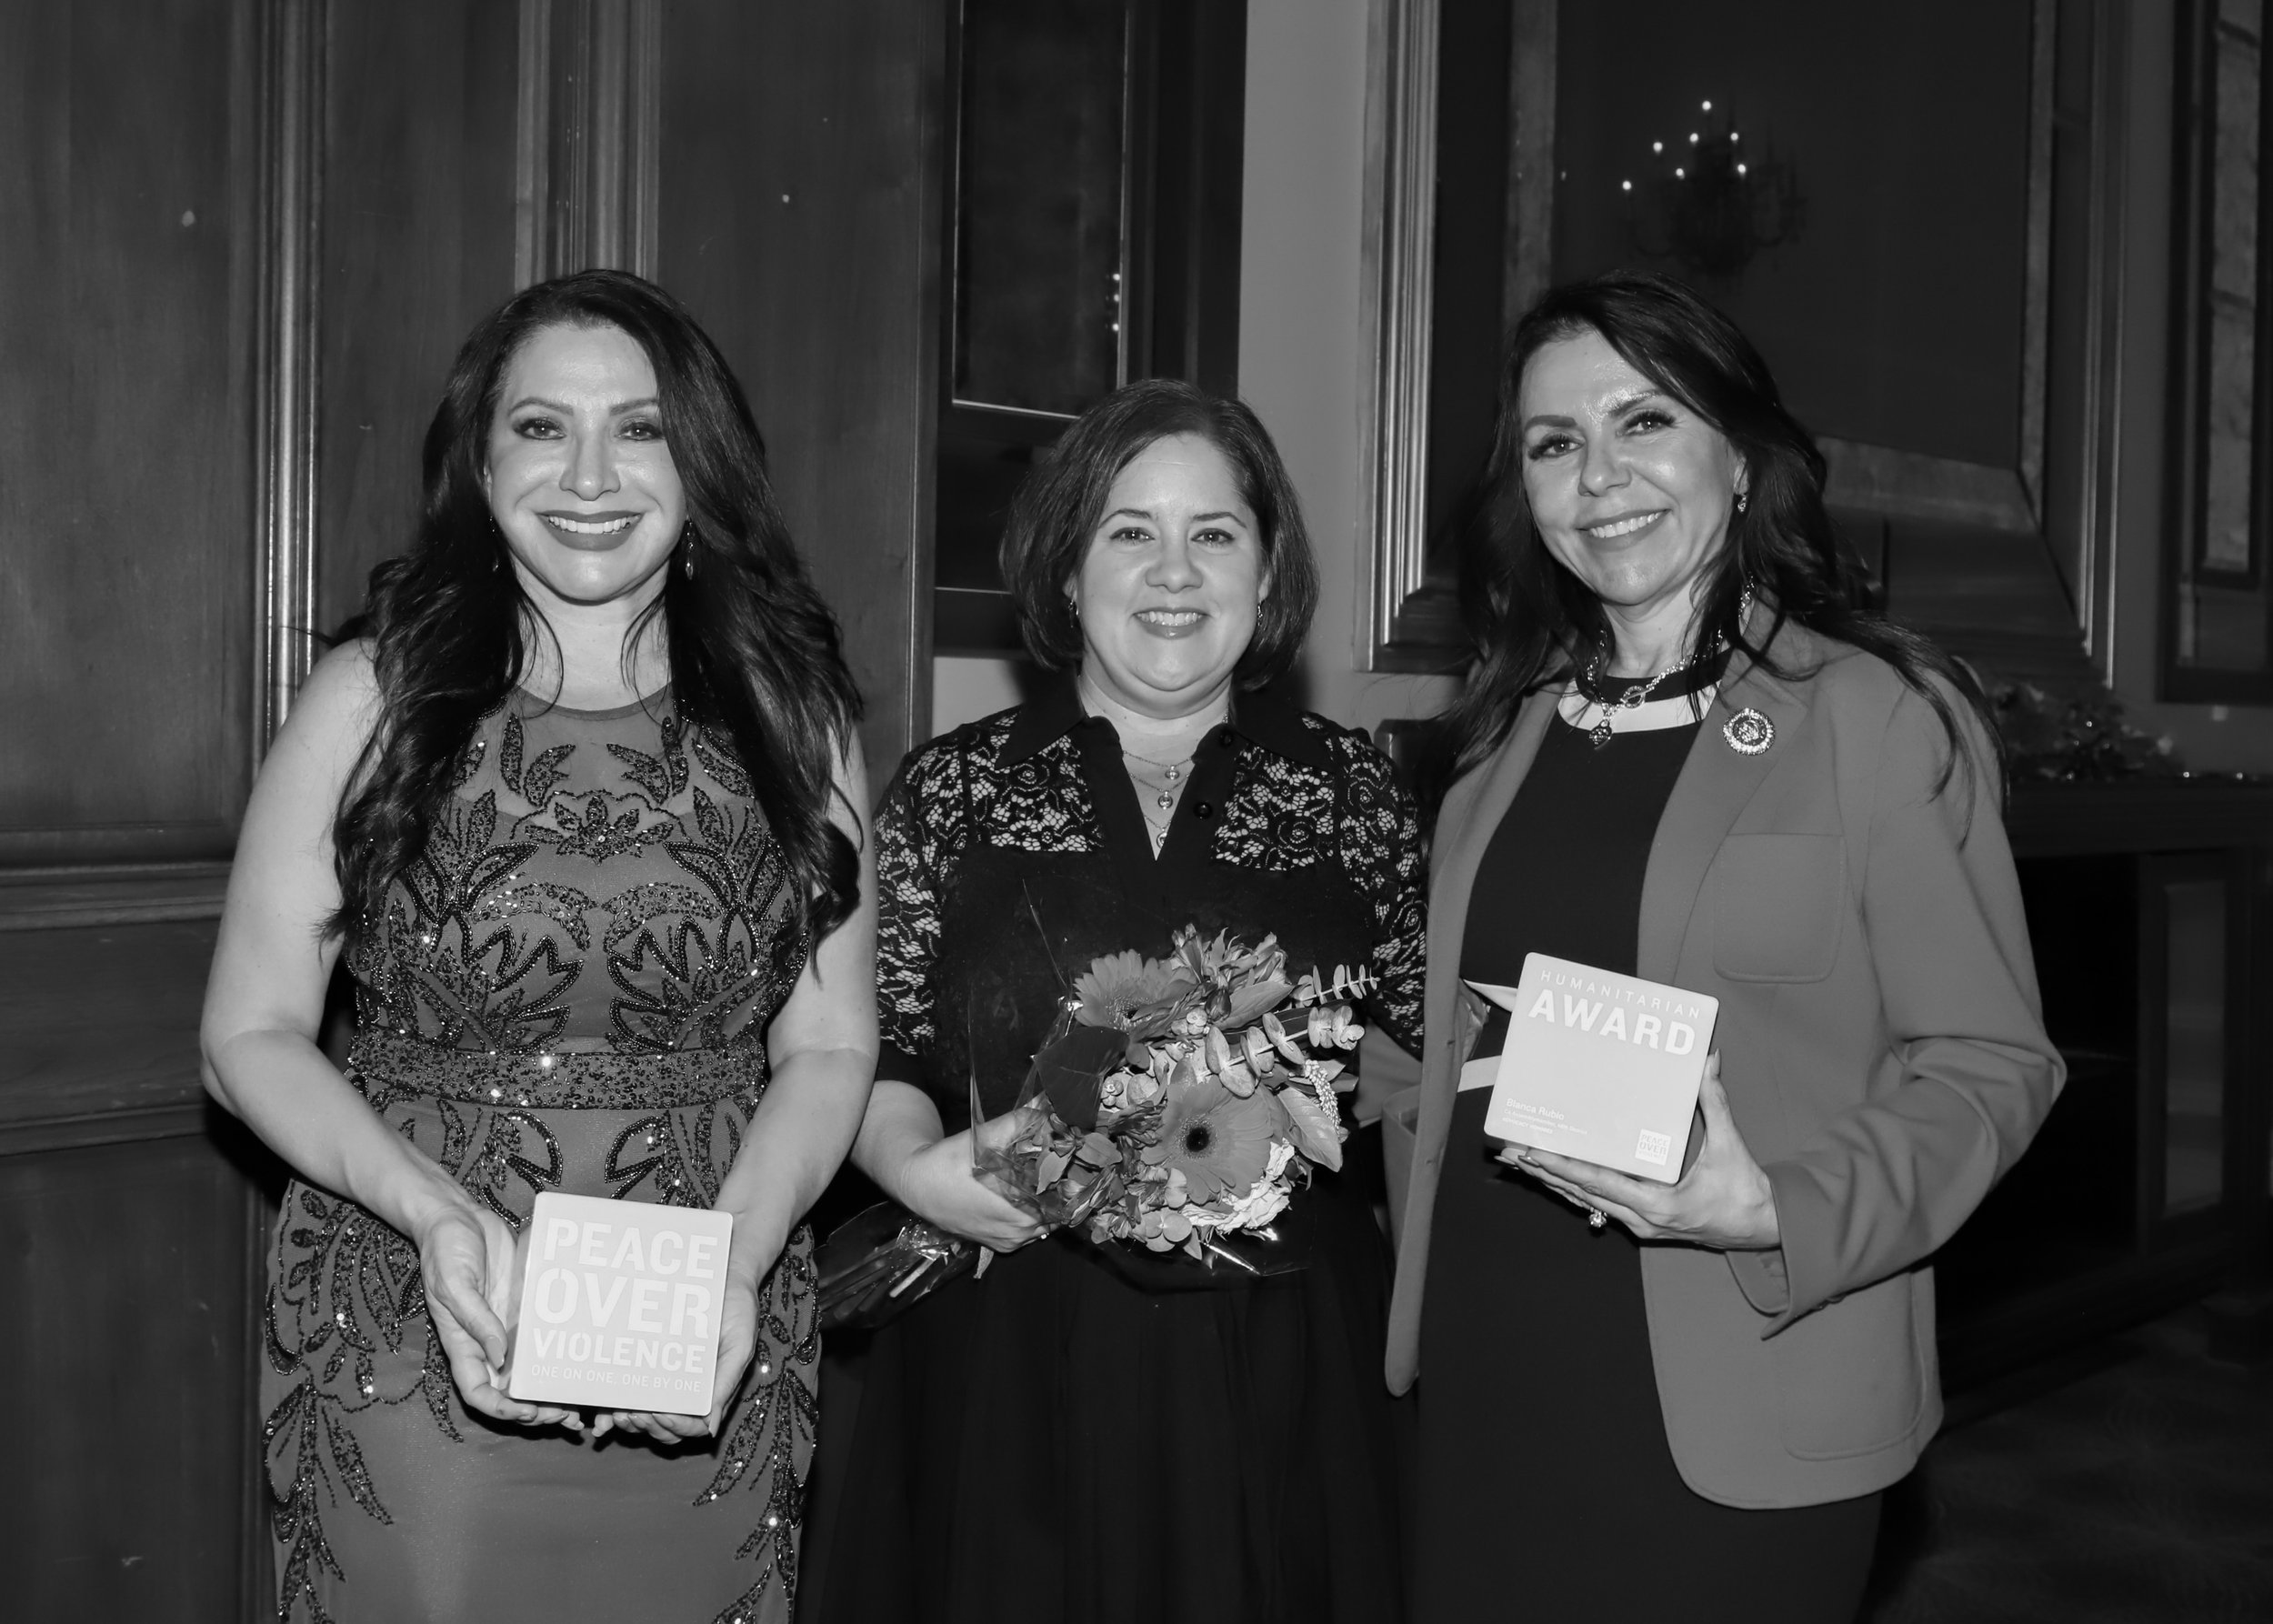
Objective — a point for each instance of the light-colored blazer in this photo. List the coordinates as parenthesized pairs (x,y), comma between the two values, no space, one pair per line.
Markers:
(1881,1042)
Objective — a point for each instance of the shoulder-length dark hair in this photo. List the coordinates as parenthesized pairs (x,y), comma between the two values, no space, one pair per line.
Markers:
(1060,504)
(754,652)
(1531,621)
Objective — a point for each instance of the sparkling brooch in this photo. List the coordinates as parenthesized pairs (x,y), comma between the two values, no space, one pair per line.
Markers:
(1748,732)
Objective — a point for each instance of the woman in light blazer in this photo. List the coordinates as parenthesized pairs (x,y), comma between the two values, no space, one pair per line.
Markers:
(1686,753)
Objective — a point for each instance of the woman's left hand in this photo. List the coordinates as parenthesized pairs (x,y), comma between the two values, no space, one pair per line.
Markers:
(1724,1200)
(737,1342)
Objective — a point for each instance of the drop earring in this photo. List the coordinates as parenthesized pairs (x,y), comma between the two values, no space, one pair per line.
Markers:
(686,539)
(1742,497)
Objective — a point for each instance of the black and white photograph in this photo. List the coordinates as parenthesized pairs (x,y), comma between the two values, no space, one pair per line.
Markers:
(1137,811)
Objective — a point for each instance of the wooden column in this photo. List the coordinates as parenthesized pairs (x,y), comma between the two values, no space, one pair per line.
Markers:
(415,232)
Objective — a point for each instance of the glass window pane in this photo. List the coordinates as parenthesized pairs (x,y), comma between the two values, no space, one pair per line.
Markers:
(2233,289)
(1039,221)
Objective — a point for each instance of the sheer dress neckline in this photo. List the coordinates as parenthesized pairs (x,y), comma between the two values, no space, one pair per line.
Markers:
(527,704)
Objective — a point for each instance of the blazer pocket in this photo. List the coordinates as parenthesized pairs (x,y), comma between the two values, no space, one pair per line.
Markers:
(1777,903)
(1849,1379)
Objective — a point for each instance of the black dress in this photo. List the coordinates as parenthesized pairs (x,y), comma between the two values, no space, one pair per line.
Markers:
(1546,1488)
(1075,1438)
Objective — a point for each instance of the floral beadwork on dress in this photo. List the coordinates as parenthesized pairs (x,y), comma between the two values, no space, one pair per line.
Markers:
(569,991)
(768,1449)
(594,895)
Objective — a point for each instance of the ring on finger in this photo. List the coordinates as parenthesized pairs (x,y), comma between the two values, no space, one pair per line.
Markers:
(1595,1218)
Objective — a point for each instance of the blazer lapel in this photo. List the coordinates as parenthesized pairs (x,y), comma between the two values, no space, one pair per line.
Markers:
(1463,833)
(1471,814)
(1717,782)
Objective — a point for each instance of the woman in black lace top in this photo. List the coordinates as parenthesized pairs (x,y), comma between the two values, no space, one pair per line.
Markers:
(1081,1434)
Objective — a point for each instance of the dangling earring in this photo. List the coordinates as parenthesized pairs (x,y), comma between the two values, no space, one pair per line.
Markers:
(1742,498)
(686,539)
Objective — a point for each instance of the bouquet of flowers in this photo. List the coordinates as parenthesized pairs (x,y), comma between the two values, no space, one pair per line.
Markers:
(1179,1103)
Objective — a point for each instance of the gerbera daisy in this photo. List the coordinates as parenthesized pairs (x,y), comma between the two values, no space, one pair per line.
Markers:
(1122,985)
(1220,1142)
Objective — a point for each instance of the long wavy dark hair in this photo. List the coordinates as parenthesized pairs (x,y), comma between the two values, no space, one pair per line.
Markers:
(754,652)
(1532,622)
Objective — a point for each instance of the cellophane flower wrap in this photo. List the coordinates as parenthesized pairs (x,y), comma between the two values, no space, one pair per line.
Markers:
(1179,1104)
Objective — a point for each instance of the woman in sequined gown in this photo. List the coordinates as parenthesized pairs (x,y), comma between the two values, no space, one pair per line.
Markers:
(1078,1434)
(582,810)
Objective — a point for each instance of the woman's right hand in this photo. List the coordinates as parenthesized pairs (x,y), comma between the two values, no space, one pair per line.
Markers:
(465,1258)
(938,1184)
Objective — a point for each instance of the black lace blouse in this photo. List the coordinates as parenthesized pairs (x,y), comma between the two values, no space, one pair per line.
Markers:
(1012,851)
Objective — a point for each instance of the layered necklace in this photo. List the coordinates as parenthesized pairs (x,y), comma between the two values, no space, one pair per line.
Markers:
(1590,680)
(1160,784)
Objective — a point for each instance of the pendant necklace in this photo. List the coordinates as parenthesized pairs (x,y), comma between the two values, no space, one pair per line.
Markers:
(1160,790)
(1600,733)
(1631,699)
(1162,793)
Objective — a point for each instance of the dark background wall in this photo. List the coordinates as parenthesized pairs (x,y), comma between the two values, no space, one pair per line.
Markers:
(1889,315)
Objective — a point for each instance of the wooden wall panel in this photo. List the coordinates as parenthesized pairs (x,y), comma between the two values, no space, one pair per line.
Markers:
(799,218)
(129,1225)
(101,1020)
(127,219)
(135,239)
(417,245)
(128,1361)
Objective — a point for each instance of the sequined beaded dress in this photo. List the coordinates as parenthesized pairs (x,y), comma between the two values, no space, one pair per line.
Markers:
(570,992)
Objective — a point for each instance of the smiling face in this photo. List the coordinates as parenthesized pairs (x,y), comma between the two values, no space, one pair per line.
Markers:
(1168,588)
(1630,489)
(579,478)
